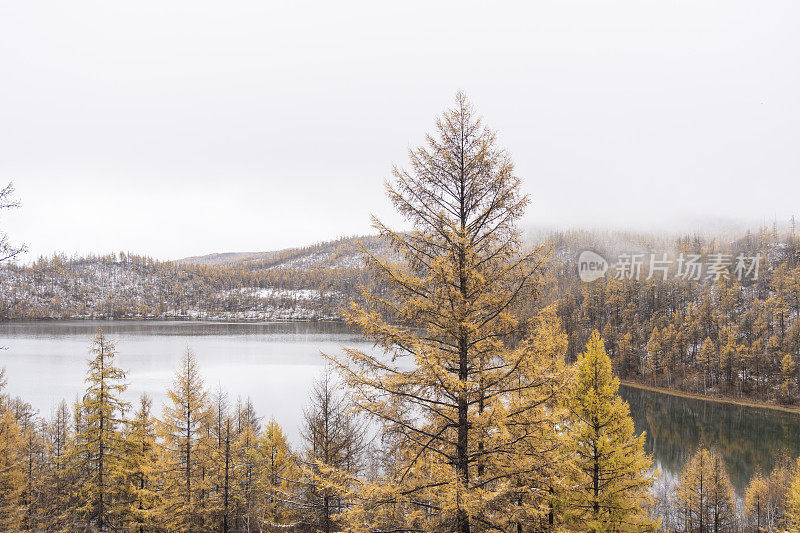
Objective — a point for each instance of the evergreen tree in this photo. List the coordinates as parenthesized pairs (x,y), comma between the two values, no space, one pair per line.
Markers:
(247,465)
(443,317)
(12,477)
(788,378)
(334,444)
(612,472)
(705,494)
(58,437)
(279,476)
(185,442)
(142,475)
(99,442)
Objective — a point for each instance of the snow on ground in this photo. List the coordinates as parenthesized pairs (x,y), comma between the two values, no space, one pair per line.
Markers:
(296,294)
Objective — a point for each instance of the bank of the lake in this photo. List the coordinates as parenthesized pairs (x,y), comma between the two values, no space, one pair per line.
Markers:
(750,439)
(744,402)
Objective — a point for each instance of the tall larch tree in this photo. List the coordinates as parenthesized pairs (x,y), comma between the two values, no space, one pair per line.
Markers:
(705,494)
(58,480)
(442,316)
(534,415)
(612,472)
(247,466)
(33,497)
(333,448)
(222,463)
(706,359)
(278,478)
(100,444)
(788,378)
(143,487)
(12,475)
(756,498)
(183,433)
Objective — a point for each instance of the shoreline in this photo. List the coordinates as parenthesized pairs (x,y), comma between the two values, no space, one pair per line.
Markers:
(172,319)
(756,404)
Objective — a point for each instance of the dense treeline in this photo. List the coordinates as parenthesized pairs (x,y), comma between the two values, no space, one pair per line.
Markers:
(130,286)
(716,334)
(204,465)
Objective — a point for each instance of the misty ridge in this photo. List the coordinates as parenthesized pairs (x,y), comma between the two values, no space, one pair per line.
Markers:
(305,283)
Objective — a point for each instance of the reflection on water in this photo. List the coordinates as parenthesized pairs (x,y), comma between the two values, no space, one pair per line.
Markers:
(750,439)
(88,328)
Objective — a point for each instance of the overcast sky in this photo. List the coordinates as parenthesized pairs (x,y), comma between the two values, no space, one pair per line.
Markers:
(182,128)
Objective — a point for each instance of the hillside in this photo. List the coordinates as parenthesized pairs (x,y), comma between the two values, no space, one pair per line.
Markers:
(343,253)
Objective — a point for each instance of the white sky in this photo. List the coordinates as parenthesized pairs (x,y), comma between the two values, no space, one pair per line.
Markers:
(182,128)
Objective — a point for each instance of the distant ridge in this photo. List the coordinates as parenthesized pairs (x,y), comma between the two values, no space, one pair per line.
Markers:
(218,258)
(336,254)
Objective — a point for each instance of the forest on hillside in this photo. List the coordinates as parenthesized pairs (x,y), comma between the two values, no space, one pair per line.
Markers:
(118,286)
(723,333)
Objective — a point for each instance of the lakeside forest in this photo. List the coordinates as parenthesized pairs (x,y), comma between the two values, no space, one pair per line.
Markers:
(491,406)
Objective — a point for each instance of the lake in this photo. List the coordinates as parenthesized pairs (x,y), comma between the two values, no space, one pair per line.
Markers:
(275,364)
(750,439)
(272,363)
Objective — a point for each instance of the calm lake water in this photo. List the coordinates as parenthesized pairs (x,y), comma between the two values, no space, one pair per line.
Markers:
(750,439)
(275,363)
(272,363)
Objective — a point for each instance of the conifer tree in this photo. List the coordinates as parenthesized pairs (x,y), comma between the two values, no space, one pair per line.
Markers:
(626,354)
(612,471)
(183,433)
(443,318)
(788,377)
(774,505)
(334,444)
(706,359)
(100,444)
(534,416)
(33,449)
(12,478)
(705,494)
(655,354)
(142,475)
(755,503)
(222,463)
(247,465)
(793,500)
(278,481)
(58,437)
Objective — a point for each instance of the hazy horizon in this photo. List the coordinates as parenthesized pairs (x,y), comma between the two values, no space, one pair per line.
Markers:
(190,128)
